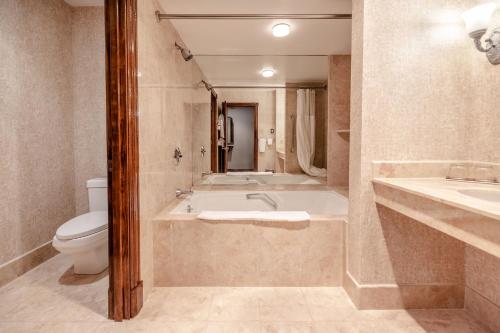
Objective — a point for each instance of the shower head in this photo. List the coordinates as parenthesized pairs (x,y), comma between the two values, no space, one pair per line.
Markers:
(186,54)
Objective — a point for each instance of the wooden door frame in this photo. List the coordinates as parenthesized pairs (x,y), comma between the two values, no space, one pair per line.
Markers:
(214,154)
(125,295)
(255,107)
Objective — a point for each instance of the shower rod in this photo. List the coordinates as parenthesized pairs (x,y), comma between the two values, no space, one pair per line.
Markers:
(161,16)
(261,55)
(271,87)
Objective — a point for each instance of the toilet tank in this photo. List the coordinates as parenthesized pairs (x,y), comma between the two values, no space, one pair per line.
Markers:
(98,194)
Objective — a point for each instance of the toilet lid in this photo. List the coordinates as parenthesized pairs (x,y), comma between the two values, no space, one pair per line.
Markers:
(83,225)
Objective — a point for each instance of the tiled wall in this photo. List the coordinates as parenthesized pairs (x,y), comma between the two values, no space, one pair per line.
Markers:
(46,63)
(169,92)
(339,93)
(267,116)
(430,98)
(190,252)
(89,99)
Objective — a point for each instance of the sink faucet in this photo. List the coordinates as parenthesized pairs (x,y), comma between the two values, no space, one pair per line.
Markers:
(180,192)
(265,197)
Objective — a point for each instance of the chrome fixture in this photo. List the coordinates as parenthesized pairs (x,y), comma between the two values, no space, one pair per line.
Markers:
(264,197)
(180,192)
(177,154)
(477,21)
(186,54)
(206,173)
(189,209)
(160,16)
(203,151)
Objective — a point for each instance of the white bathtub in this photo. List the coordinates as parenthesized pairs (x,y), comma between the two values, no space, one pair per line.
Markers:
(248,178)
(313,202)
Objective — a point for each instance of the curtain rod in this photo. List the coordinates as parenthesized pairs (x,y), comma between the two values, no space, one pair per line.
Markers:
(161,16)
(271,87)
(261,55)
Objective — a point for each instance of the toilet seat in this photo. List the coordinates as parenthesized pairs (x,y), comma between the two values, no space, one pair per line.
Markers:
(83,225)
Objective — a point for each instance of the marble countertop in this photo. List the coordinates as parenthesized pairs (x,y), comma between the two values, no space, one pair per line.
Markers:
(447,192)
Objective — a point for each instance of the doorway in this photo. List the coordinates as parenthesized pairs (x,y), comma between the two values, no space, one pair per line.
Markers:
(240,152)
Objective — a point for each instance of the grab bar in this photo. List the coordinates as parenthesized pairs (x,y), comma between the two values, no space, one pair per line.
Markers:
(265,197)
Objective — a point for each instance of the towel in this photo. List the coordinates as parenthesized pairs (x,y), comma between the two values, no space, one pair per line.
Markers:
(249,173)
(262,145)
(297,216)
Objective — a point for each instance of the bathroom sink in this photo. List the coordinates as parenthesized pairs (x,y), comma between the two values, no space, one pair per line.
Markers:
(482,194)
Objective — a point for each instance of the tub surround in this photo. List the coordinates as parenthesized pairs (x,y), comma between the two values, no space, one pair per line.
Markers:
(191,252)
(169,93)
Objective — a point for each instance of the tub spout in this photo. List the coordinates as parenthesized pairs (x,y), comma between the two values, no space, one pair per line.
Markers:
(180,192)
(265,197)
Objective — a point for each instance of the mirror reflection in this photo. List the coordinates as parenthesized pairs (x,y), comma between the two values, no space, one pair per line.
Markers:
(267,126)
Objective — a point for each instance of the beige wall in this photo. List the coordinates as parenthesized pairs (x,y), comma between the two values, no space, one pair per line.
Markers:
(168,88)
(431,97)
(52,77)
(89,99)
(36,169)
(339,91)
(267,116)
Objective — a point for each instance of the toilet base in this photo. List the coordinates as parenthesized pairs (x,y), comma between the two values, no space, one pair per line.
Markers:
(91,262)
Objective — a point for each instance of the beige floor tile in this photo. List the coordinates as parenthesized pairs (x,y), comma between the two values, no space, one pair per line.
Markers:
(336,327)
(233,327)
(287,327)
(235,304)
(282,313)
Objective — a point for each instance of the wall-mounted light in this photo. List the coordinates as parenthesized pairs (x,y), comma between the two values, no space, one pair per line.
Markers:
(281,30)
(267,72)
(477,21)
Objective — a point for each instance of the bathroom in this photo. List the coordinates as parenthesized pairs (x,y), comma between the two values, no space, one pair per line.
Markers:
(380,215)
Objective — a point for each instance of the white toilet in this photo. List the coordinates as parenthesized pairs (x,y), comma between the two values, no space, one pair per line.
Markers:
(85,237)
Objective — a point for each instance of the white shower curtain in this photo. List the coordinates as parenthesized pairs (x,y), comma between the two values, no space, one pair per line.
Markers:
(306,121)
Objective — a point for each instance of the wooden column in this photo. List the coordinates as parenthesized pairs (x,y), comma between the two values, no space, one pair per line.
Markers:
(125,285)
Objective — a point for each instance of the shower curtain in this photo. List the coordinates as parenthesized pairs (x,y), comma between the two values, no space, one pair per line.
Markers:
(305,131)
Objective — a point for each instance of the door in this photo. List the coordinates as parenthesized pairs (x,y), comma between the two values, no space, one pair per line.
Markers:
(241,136)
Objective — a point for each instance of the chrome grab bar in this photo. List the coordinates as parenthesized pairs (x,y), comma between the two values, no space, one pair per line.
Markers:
(265,197)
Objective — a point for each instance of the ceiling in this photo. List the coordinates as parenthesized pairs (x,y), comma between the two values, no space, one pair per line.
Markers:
(78,3)
(254,37)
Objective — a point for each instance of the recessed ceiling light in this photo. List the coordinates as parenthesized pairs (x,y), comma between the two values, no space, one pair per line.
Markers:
(281,30)
(267,72)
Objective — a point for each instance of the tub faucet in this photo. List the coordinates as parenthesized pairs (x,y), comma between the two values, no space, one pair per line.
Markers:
(180,192)
(265,197)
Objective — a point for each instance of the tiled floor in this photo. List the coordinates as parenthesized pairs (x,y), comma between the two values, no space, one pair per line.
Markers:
(51,299)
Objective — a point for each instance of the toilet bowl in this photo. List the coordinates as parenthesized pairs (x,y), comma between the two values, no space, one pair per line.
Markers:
(85,237)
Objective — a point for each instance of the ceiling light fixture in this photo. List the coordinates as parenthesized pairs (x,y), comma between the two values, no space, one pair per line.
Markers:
(267,72)
(281,30)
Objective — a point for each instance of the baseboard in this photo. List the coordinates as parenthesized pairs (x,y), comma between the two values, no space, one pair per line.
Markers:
(20,265)
(482,309)
(404,296)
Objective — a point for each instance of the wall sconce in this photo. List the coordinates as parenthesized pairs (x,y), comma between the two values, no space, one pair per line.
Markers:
(477,21)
